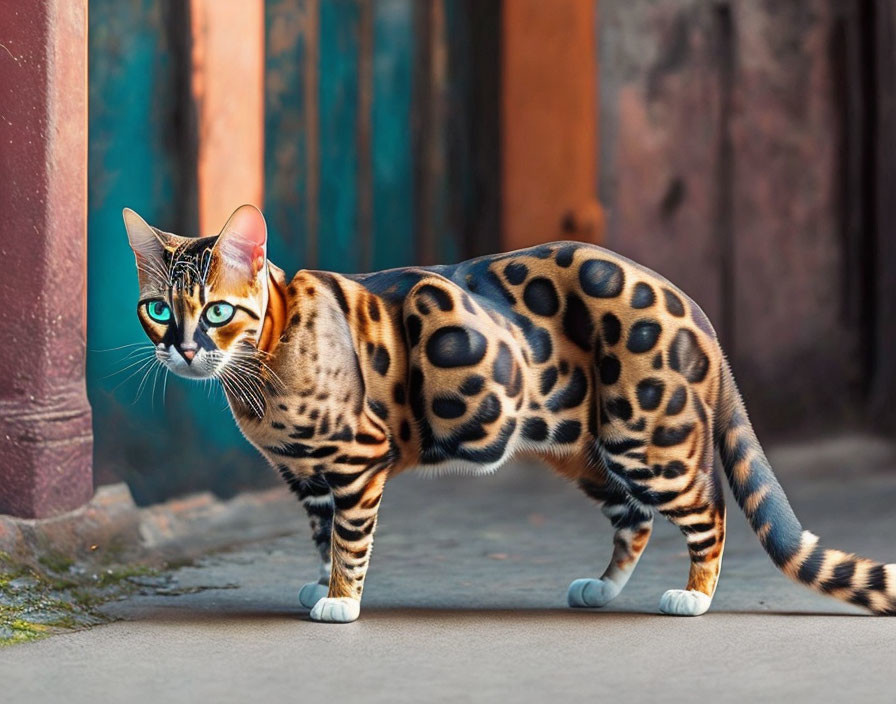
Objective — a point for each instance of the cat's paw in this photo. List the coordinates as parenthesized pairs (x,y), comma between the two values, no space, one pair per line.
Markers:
(684,602)
(312,593)
(340,609)
(585,593)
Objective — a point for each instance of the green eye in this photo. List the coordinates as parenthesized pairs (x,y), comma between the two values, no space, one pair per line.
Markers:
(219,313)
(159,311)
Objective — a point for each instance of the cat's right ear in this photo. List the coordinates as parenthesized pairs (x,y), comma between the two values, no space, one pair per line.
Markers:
(144,240)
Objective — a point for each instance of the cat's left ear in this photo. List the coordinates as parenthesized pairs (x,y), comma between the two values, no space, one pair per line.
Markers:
(143,238)
(242,243)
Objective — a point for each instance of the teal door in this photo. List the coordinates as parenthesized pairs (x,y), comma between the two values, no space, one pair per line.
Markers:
(380,151)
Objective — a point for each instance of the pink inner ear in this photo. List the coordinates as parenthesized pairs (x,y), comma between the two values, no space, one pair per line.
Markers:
(242,241)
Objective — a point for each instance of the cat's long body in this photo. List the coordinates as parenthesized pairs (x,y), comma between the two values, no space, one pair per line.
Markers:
(565,351)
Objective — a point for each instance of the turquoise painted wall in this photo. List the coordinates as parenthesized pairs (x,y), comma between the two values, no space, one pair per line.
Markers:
(344,105)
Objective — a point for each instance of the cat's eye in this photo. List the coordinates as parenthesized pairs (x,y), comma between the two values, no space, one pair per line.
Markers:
(218,313)
(158,311)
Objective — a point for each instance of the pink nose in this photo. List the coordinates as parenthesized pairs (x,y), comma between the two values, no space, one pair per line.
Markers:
(188,354)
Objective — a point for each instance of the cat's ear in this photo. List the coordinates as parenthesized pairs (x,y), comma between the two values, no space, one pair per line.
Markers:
(242,244)
(144,240)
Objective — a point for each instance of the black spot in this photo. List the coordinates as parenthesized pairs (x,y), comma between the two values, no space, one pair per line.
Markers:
(563,367)
(373,309)
(415,391)
(404,432)
(535,429)
(502,368)
(649,393)
(620,408)
(472,385)
(686,356)
(877,579)
(337,291)
(398,393)
(548,379)
(841,576)
(516,384)
(564,255)
(454,346)
(489,410)
(540,343)
(673,303)
(658,361)
(568,431)
(811,565)
(345,434)
(572,394)
(379,409)
(672,469)
(612,328)
(643,296)
(302,432)
(601,278)
(413,325)
(381,360)
(438,295)
(643,336)
(676,401)
(448,407)
(577,323)
(540,297)
(638,425)
(295,320)
(491,278)
(617,447)
(516,273)
(665,436)
(277,426)
(609,370)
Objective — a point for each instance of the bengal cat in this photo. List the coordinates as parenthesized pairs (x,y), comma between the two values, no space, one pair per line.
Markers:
(564,351)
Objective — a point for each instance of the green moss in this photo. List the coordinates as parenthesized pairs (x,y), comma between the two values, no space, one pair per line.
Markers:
(56,562)
(57,595)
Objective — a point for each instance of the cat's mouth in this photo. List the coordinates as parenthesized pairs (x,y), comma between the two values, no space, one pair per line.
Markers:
(190,364)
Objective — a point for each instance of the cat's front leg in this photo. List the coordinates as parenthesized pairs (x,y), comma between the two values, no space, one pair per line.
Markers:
(314,493)
(356,502)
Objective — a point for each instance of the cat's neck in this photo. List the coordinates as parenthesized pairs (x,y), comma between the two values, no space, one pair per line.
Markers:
(275,314)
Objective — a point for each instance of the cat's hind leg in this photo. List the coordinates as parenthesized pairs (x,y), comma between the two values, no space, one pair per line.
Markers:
(702,521)
(633,526)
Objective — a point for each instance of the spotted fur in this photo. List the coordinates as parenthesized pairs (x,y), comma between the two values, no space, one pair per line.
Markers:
(565,351)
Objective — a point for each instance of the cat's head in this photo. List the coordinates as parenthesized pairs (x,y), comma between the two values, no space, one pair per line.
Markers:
(202,300)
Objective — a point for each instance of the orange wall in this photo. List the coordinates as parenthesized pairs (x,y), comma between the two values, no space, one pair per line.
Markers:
(549,122)
(228,86)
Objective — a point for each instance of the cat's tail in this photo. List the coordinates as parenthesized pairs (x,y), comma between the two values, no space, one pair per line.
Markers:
(795,551)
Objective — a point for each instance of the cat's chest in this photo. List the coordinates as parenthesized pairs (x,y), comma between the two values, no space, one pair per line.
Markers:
(297,429)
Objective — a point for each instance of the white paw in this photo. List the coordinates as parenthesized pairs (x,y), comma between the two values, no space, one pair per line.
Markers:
(340,609)
(312,593)
(591,592)
(684,602)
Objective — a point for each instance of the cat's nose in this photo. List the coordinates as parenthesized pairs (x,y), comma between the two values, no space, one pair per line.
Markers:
(188,352)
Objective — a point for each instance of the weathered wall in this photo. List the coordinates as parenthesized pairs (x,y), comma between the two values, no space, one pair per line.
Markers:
(724,146)
(45,439)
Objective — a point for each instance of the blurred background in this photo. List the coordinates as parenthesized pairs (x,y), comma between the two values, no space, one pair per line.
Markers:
(742,148)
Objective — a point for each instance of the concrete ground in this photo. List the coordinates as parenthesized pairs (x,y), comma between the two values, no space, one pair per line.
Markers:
(465,601)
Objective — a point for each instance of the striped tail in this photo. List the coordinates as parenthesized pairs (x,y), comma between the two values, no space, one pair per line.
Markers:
(795,551)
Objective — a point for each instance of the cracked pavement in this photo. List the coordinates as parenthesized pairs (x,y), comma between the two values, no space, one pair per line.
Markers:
(465,601)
